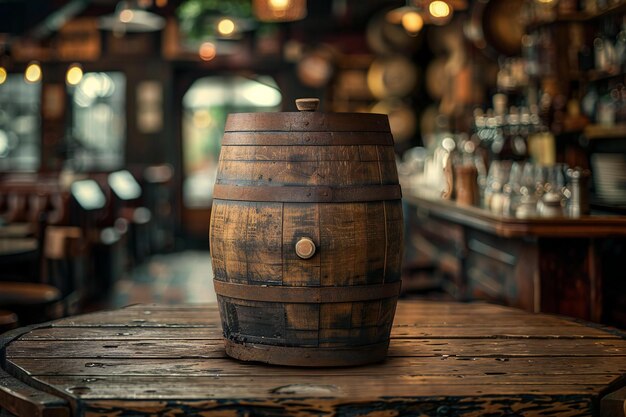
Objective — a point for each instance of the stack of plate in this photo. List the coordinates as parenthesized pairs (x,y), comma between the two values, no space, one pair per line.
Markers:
(609,173)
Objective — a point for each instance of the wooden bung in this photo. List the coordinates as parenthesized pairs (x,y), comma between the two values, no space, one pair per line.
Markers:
(307,104)
(306,236)
(305,248)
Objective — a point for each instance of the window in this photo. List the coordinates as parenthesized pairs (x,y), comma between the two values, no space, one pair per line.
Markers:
(20,124)
(98,133)
(205,108)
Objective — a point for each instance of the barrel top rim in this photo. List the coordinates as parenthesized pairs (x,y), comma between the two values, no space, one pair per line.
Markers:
(309,113)
(307,122)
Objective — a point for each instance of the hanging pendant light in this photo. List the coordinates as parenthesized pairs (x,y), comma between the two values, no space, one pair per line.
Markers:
(416,13)
(279,10)
(129,17)
(409,16)
(440,12)
(226,27)
(207,51)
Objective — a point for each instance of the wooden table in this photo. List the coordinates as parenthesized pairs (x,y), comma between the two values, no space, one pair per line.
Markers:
(17,246)
(445,359)
(13,230)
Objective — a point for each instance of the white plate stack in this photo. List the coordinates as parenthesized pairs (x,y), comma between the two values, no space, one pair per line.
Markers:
(609,174)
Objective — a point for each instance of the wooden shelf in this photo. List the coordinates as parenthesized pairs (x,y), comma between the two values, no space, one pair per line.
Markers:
(581,16)
(588,17)
(595,131)
(615,9)
(595,75)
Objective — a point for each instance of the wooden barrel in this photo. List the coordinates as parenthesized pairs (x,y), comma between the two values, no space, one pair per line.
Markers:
(306,237)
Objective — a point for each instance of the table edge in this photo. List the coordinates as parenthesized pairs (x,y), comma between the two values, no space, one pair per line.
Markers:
(19,402)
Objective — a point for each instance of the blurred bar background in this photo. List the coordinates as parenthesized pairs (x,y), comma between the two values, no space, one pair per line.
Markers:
(509,119)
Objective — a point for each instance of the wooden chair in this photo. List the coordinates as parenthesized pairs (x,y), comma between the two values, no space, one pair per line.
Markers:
(8,320)
(63,253)
(33,302)
(54,290)
(16,207)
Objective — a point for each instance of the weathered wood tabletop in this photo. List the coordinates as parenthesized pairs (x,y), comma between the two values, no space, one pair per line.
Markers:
(445,359)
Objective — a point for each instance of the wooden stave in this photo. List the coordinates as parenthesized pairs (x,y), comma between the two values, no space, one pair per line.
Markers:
(332,336)
(313,325)
(273,253)
(356,165)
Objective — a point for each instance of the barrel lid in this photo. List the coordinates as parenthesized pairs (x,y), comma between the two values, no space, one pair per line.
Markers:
(307,120)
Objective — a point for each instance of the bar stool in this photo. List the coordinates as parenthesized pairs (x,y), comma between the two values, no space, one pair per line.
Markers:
(33,302)
(8,320)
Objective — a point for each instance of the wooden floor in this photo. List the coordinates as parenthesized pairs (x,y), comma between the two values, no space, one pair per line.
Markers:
(174,278)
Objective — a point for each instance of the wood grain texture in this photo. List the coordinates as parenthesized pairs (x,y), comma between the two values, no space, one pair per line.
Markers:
(300,220)
(335,184)
(307,138)
(529,367)
(414,330)
(244,387)
(307,122)
(614,404)
(114,363)
(20,399)
(204,317)
(401,347)
(568,406)
(24,400)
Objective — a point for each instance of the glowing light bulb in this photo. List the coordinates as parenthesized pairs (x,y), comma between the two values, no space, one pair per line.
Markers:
(74,74)
(439,9)
(279,4)
(412,22)
(126,15)
(226,27)
(280,10)
(3,75)
(33,73)
(207,51)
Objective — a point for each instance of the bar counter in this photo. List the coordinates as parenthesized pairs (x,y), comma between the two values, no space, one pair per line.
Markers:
(559,265)
(507,226)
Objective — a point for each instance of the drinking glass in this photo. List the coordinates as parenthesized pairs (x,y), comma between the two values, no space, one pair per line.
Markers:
(511,189)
